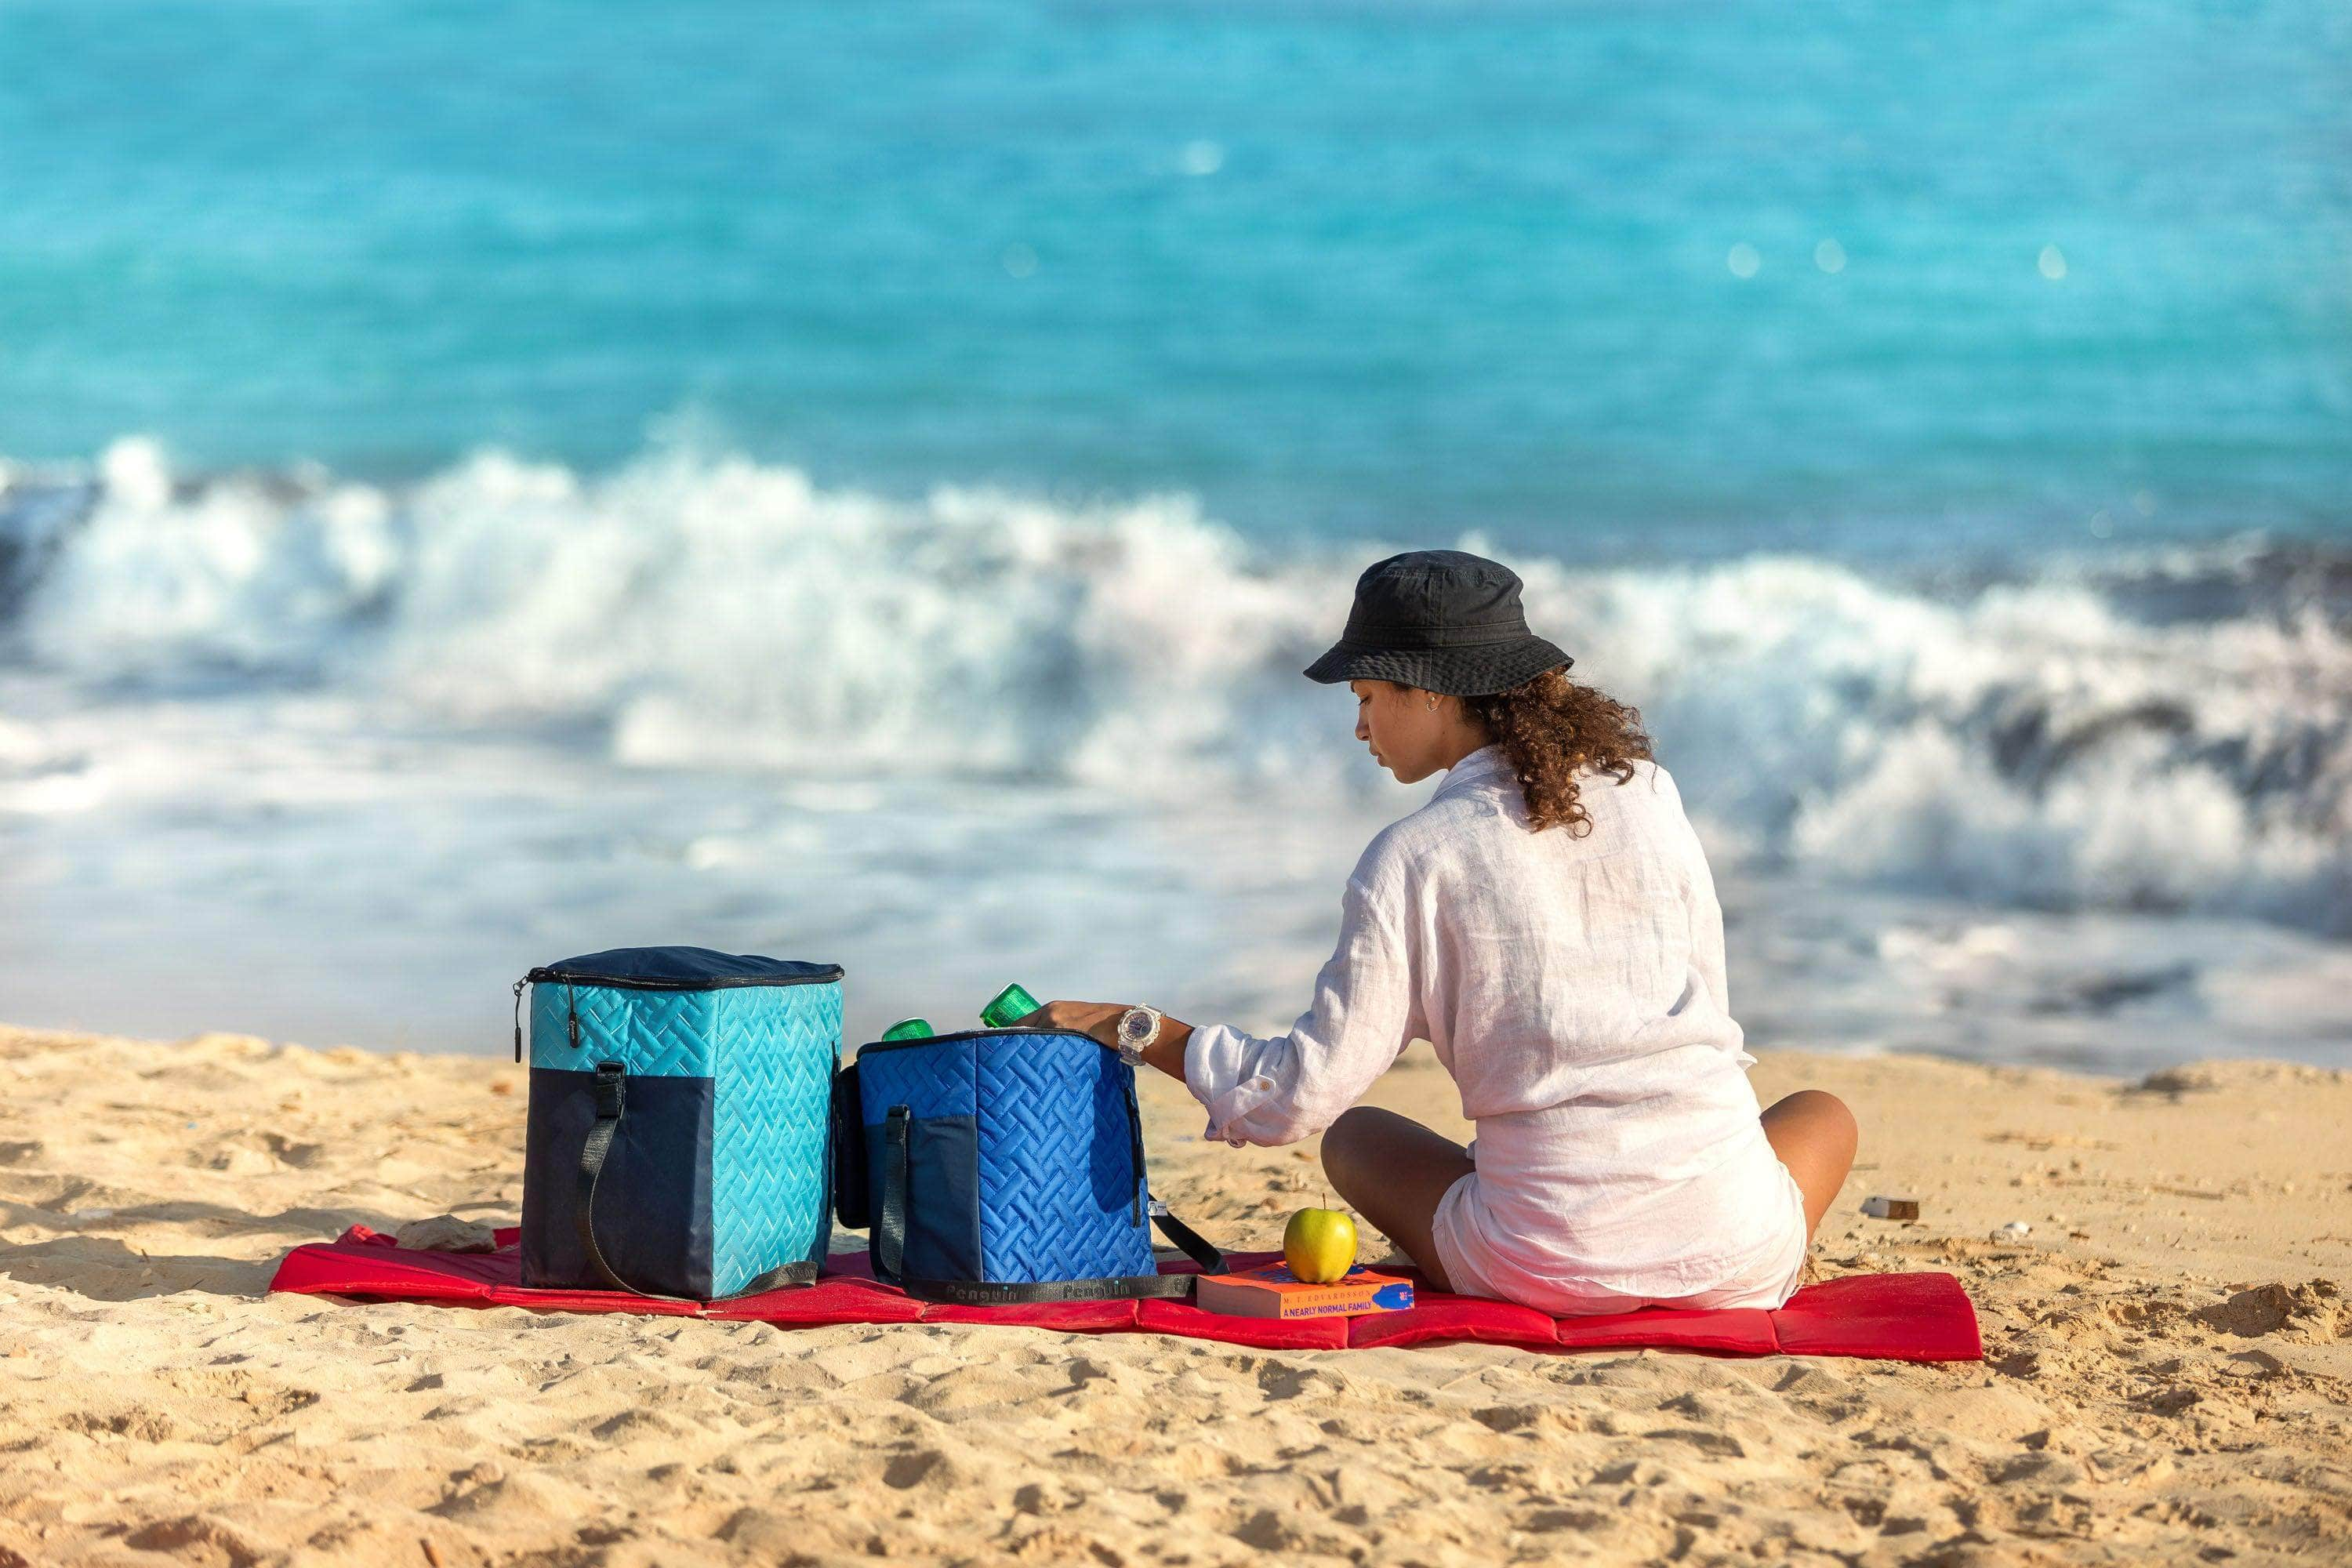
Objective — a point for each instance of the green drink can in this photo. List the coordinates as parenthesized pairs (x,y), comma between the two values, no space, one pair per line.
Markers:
(909,1029)
(1012,1005)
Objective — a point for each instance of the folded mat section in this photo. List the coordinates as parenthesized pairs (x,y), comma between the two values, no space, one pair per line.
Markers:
(1892,1317)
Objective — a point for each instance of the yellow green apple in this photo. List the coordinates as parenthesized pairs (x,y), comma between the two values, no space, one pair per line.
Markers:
(1318,1244)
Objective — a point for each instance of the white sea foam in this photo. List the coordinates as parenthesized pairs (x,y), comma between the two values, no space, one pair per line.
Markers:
(2068,737)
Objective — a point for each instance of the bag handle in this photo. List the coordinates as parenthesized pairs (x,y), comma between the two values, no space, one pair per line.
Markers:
(611,1103)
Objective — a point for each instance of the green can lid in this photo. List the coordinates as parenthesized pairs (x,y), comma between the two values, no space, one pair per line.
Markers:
(909,1029)
(1009,1007)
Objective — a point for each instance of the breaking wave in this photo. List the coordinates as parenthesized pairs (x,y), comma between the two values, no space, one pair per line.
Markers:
(2170,733)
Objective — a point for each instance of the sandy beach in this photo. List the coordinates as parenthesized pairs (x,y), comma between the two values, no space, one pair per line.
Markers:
(2168,1358)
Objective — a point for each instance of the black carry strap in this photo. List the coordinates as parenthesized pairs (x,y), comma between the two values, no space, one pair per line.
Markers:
(1190,1242)
(612,1078)
(891,1242)
(1115,1288)
(890,1225)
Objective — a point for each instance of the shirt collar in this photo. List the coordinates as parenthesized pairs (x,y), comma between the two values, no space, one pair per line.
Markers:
(1485,763)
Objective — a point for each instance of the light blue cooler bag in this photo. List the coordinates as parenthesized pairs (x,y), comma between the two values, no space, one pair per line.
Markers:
(680,1142)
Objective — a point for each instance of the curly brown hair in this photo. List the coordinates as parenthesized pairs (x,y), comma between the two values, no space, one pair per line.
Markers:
(1551,730)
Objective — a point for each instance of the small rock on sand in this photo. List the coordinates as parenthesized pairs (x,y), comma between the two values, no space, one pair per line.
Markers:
(446,1233)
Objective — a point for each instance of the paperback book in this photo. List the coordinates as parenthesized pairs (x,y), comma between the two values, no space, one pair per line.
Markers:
(1273,1291)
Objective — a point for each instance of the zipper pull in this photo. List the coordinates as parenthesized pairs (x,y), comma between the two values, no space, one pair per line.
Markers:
(518,984)
(572,1000)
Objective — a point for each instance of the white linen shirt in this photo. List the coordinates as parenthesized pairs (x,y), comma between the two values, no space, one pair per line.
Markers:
(1574,988)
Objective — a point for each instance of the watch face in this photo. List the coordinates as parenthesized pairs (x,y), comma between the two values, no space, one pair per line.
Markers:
(1136,1026)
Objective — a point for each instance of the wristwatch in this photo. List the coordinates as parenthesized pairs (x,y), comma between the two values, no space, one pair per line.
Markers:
(1138,1028)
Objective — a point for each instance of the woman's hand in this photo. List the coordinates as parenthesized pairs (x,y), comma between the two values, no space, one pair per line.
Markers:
(1098,1020)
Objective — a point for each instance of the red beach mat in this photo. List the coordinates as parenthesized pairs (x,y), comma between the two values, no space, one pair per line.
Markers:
(1888,1317)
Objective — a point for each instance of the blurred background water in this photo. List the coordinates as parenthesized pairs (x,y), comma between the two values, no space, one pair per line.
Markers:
(481,484)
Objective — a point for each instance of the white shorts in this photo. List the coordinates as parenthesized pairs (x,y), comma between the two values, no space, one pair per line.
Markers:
(1765,1278)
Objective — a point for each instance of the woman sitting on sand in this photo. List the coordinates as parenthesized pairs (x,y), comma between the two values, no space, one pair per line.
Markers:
(1548,923)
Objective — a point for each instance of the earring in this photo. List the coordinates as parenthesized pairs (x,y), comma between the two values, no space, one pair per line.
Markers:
(1432,704)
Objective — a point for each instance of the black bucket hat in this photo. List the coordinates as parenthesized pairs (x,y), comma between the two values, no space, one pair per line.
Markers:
(1443,621)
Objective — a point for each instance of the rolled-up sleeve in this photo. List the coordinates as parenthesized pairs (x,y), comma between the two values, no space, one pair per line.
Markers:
(1281,1088)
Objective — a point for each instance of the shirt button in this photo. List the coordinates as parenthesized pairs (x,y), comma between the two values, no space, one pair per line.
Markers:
(1261,1083)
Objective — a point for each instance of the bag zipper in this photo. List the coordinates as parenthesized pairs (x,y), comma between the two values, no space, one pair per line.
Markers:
(571,1012)
(974,1034)
(569,979)
(825,976)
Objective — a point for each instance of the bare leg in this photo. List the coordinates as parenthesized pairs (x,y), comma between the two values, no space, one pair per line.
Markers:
(1814,1135)
(1392,1171)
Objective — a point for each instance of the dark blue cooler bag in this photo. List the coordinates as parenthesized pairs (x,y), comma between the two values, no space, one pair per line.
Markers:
(1004,1165)
(679,1139)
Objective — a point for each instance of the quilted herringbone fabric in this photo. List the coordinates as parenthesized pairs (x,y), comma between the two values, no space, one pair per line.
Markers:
(653,1034)
(1058,1178)
(929,1081)
(774,1049)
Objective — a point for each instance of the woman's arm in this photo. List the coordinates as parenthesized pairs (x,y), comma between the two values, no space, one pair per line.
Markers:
(1101,1020)
(1283,1088)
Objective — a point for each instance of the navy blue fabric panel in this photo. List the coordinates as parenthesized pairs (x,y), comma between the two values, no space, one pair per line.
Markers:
(851,1196)
(687,966)
(942,1194)
(653,1204)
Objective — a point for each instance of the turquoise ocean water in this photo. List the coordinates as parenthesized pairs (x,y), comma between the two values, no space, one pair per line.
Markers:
(1360,268)
(478,484)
